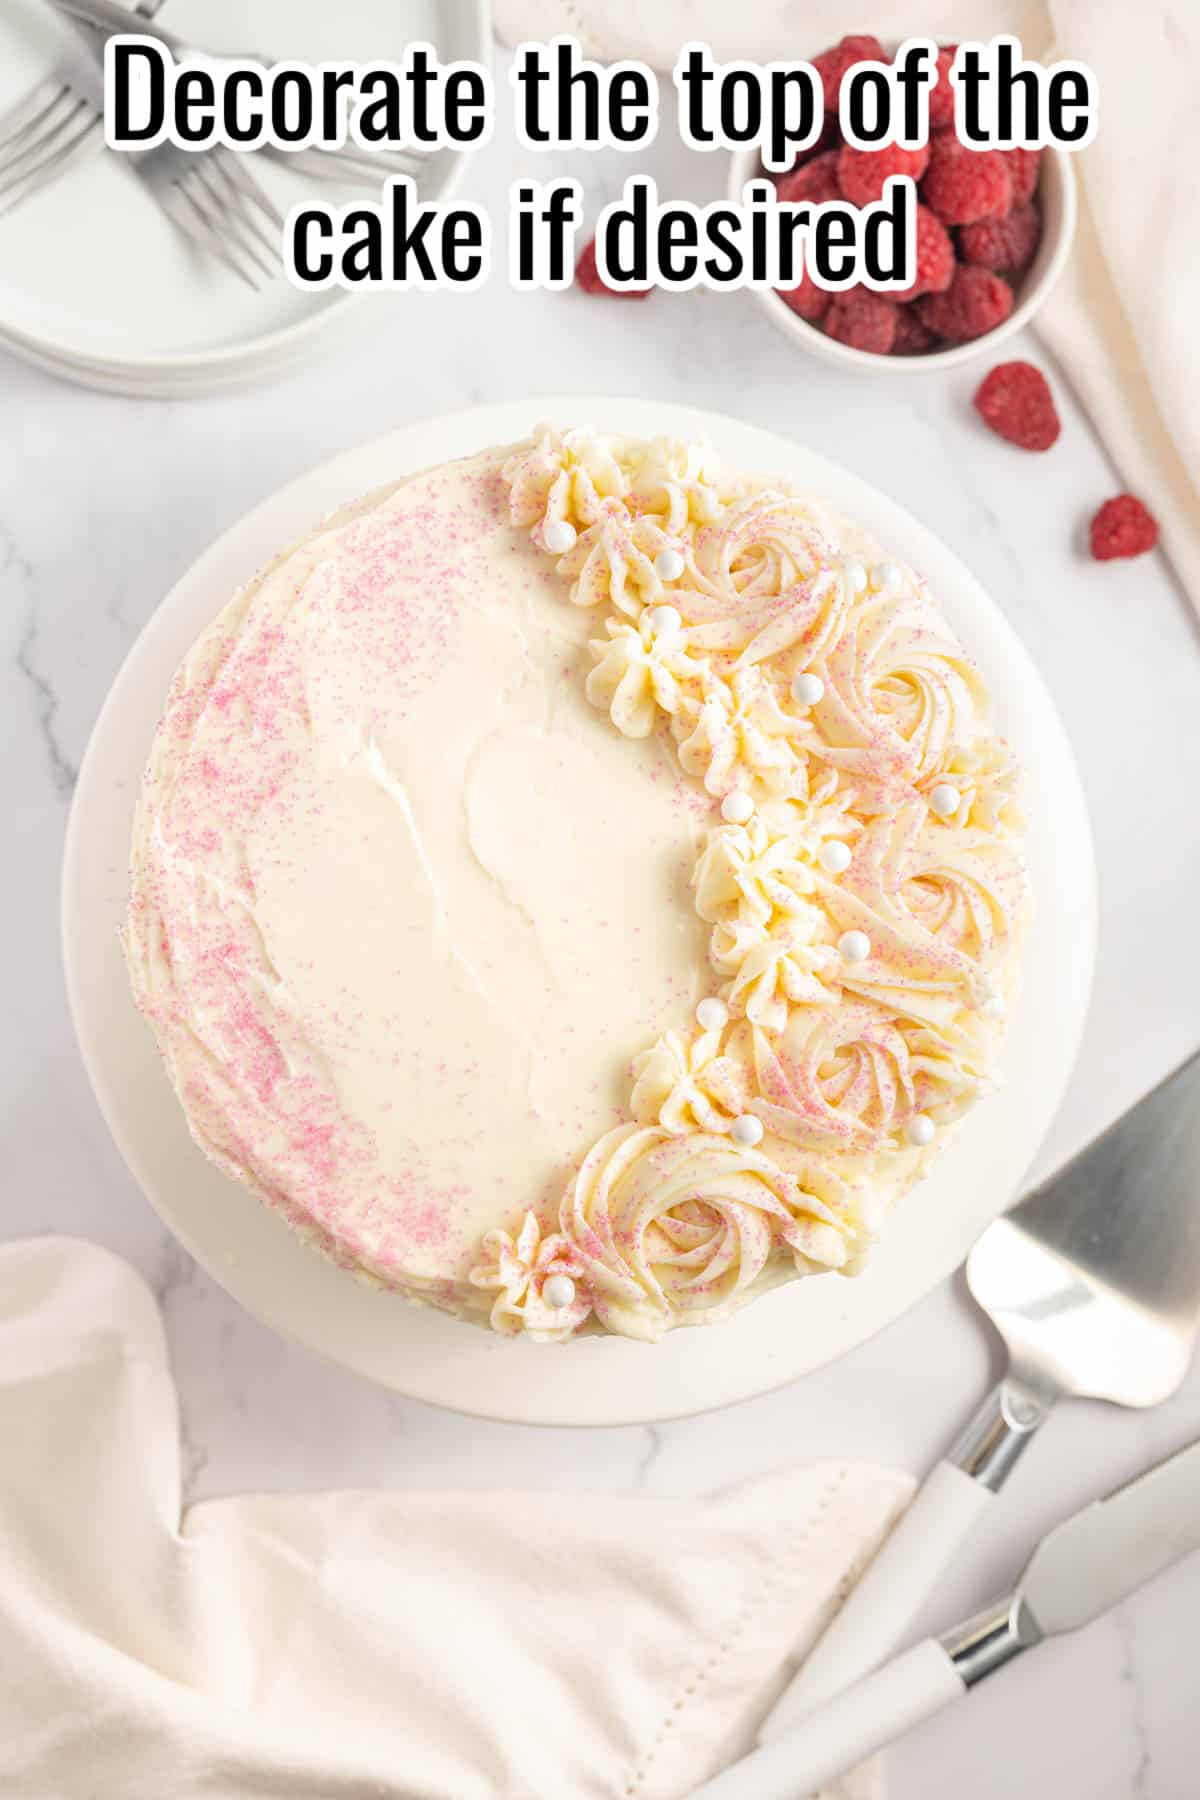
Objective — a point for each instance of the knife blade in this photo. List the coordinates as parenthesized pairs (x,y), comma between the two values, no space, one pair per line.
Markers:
(1080,1570)
(1093,1561)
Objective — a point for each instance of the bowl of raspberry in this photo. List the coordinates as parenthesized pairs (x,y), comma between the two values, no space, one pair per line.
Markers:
(994,229)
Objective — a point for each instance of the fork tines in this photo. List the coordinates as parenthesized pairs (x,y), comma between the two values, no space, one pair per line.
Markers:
(42,136)
(218,204)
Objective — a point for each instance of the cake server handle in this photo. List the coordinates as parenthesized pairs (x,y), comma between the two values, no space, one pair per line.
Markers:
(913,1558)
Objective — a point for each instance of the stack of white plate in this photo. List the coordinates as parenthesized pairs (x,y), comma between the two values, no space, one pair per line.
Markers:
(98,286)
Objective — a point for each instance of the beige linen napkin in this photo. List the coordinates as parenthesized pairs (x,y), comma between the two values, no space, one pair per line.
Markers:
(345,1645)
(1123,321)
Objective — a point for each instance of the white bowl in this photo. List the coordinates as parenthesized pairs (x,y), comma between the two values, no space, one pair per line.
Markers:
(1056,195)
(594,1381)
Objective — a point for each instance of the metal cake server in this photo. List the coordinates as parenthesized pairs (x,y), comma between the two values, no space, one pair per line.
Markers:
(1081,1569)
(1093,1282)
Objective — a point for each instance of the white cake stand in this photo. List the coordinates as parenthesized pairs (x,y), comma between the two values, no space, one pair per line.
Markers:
(596,1381)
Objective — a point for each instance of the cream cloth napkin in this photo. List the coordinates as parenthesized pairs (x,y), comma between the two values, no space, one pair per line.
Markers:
(351,1645)
(1123,322)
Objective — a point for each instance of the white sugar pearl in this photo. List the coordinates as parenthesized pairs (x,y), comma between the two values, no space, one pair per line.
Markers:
(664,621)
(856,577)
(746,1131)
(807,689)
(920,1130)
(559,536)
(669,564)
(558,1291)
(835,857)
(736,808)
(712,1014)
(992,1007)
(886,576)
(945,800)
(854,946)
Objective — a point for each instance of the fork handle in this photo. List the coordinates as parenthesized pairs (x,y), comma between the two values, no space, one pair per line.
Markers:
(914,1557)
(108,16)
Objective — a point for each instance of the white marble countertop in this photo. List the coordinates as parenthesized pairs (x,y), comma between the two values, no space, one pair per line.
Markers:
(103,503)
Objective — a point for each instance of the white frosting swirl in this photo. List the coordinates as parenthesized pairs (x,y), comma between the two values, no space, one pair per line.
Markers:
(685,1087)
(673,1230)
(739,723)
(844,1079)
(682,483)
(613,561)
(562,477)
(986,775)
(639,673)
(940,904)
(517,1271)
(752,871)
(776,970)
(900,697)
(763,579)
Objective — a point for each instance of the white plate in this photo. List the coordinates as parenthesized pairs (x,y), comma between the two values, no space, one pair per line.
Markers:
(595,1381)
(98,286)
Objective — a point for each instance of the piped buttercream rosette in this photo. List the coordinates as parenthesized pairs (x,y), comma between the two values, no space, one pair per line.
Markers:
(677,1229)
(862,877)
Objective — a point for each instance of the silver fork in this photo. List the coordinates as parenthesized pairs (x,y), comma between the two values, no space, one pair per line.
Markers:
(343,162)
(58,123)
(216,202)
(209,195)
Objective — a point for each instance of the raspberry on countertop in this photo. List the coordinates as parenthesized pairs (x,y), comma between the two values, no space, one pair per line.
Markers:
(1014,400)
(1124,526)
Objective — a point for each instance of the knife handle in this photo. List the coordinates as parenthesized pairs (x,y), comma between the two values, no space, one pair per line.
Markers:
(921,1547)
(851,1726)
(877,1611)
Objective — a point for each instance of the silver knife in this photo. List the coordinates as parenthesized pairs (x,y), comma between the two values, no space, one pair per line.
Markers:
(1080,1570)
(1093,1282)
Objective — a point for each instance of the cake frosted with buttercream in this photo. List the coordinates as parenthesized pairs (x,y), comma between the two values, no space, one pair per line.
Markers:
(579,887)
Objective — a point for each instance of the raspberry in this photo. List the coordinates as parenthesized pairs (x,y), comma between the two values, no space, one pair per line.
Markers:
(911,336)
(1015,401)
(862,319)
(587,276)
(1007,243)
(941,94)
(1122,527)
(862,173)
(806,298)
(1022,166)
(976,301)
(935,258)
(831,66)
(962,185)
(829,135)
(816,181)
